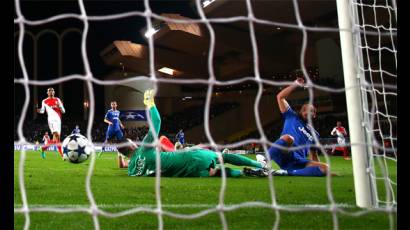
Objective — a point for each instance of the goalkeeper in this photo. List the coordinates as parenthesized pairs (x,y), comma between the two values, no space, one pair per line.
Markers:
(195,162)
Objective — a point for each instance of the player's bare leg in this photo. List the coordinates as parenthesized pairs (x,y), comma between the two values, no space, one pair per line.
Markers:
(44,148)
(56,140)
(105,143)
(346,154)
(333,150)
(122,162)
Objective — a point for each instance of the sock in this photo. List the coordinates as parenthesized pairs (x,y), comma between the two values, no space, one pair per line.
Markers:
(229,172)
(274,152)
(44,148)
(239,160)
(308,171)
(58,144)
(345,154)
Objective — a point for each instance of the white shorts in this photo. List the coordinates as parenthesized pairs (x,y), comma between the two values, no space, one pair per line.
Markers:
(55,125)
(341,141)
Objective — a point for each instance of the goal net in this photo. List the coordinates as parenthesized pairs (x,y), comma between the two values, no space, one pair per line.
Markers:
(373,32)
(377,69)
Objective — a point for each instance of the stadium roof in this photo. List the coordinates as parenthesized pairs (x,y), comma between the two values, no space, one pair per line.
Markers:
(185,47)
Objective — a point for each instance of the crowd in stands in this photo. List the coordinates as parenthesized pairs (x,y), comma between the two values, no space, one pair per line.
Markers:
(34,130)
(192,116)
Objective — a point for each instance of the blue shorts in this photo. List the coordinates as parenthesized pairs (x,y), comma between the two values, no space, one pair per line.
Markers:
(287,160)
(114,132)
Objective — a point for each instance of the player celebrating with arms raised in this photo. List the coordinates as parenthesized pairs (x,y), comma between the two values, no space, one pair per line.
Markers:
(55,109)
(296,132)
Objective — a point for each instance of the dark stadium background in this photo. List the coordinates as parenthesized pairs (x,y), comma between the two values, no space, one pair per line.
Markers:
(100,35)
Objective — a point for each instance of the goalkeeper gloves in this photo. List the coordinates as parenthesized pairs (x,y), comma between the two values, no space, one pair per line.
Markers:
(149,98)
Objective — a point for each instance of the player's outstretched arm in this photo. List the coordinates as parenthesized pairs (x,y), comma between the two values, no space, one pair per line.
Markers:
(282,95)
(154,114)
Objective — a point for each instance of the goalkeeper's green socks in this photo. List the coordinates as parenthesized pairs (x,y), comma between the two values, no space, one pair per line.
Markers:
(229,172)
(43,155)
(239,160)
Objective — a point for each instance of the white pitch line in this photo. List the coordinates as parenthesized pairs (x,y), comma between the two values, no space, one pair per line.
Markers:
(341,205)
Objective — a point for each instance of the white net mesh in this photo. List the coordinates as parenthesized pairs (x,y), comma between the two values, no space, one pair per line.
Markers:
(377,61)
(378,84)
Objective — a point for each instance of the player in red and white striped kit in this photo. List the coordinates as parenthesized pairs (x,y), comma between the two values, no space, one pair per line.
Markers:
(55,109)
(340,132)
(46,140)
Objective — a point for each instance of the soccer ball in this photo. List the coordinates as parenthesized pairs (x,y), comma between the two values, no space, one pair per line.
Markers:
(76,148)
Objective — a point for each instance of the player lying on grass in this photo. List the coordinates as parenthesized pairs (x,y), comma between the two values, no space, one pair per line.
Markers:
(296,132)
(165,145)
(191,162)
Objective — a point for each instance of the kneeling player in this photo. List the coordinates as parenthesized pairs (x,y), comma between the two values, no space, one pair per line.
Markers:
(296,132)
(195,162)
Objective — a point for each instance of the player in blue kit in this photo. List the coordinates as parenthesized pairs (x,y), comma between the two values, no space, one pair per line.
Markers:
(76,130)
(180,137)
(112,118)
(296,132)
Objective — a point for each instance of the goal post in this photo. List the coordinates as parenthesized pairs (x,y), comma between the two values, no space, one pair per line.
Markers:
(364,187)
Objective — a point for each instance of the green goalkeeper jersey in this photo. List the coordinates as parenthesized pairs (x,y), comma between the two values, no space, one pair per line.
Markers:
(184,163)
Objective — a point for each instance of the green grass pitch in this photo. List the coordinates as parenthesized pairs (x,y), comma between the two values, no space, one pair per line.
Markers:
(53,182)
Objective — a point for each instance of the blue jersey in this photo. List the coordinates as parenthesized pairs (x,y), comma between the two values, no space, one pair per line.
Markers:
(300,131)
(76,131)
(181,137)
(114,117)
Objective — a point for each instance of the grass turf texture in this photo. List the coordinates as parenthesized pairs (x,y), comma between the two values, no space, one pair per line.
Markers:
(52,181)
